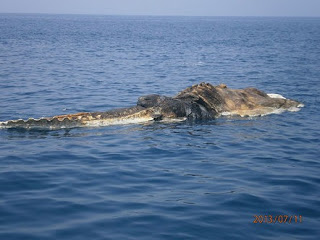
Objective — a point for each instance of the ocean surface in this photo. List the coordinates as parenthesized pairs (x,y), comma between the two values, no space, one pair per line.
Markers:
(203,180)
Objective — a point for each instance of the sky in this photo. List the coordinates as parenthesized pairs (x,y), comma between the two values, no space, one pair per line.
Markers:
(309,8)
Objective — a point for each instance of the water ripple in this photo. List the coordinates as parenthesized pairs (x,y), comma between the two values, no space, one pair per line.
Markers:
(189,180)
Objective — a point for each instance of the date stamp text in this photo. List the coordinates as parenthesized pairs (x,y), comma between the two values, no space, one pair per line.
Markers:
(277,219)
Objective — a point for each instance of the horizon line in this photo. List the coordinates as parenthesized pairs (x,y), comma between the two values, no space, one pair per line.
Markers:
(161,15)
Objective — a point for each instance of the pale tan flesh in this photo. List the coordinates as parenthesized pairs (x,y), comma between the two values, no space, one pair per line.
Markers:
(242,102)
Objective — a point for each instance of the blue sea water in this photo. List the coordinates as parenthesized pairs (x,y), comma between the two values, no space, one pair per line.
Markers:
(203,180)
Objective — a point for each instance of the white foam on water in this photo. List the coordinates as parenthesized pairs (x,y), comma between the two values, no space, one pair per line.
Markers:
(301,105)
(172,120)
(296,109)
(3,124)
